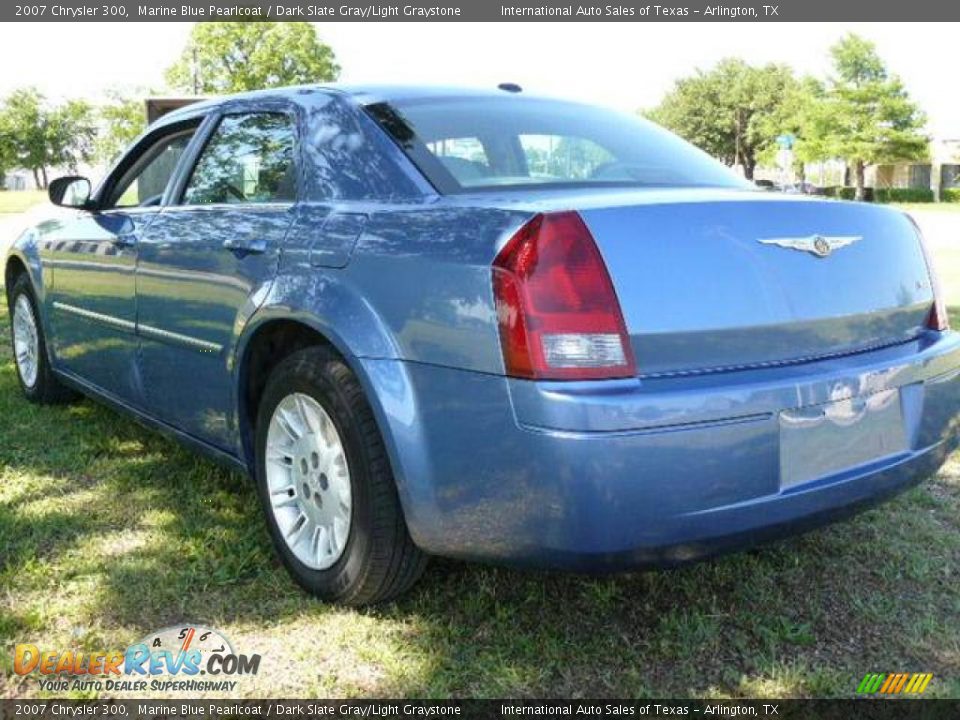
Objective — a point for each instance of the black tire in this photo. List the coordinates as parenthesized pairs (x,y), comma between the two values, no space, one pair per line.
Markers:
(379,560)
(46,389)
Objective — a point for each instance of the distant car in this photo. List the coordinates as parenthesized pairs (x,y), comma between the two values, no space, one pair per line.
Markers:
(802,188)
(489,326)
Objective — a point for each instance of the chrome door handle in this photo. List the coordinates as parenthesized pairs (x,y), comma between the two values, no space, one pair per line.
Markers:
(242,247)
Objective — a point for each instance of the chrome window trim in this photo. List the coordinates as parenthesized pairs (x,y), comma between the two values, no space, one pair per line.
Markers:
(285,205)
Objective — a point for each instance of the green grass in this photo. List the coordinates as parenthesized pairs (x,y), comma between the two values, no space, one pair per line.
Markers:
(15,201)
(109,531)
(936,207)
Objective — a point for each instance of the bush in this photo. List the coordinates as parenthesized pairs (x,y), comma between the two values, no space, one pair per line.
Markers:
(950,195)
(842,193)
(903,195)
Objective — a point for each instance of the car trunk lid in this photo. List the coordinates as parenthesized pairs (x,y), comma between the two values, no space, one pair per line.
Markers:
(709,284)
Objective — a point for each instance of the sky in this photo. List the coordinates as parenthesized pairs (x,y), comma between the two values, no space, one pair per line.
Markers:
(622,65)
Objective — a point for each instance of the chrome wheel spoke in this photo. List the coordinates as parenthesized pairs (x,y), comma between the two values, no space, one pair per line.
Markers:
(296,529)
(303,412)
(280,456)
(283,418)
(308,479)
(284,497)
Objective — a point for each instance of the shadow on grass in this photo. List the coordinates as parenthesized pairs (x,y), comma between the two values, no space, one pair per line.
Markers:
(110,531)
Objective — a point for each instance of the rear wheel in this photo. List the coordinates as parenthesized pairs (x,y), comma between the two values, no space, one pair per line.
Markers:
(326,487)
(37,380)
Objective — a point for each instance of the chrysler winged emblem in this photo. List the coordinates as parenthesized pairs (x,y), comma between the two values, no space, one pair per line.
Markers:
(817,245)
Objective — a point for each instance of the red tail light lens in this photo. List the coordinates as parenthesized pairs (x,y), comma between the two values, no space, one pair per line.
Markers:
(558,313)
(937,319)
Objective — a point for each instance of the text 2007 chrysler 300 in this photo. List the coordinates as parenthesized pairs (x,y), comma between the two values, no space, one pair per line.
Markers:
(491,326)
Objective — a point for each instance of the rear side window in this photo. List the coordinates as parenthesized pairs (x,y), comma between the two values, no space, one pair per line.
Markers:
(470,143)
(248,159)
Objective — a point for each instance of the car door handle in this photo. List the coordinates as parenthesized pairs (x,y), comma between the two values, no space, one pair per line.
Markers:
(245,247)
(123,241)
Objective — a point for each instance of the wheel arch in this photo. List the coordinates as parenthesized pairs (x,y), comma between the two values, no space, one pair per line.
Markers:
(15,266)
(270,337)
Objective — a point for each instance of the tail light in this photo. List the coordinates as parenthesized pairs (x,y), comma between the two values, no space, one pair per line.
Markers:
(937,319)
(558,313)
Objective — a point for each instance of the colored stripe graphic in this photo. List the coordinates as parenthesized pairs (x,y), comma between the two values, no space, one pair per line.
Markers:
(894,683)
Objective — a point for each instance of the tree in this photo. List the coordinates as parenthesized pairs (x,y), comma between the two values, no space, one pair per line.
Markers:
(226,57)
(45,136)
(800,113)
(730,110)
(71,130)
(869,117)
(6,154)
(121,120)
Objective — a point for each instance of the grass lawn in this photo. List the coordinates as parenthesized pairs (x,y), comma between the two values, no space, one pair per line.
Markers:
(937,207)
(109,531)
(15,201)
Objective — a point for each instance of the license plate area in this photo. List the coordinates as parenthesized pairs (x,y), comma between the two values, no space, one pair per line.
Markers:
(822,440)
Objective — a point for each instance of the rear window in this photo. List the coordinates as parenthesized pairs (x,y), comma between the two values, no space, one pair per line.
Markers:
(464,144)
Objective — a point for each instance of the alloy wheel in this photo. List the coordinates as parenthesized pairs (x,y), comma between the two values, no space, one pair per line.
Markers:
(26,341)
(308,480)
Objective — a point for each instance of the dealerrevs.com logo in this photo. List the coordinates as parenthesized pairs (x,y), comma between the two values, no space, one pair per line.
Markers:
(187,658)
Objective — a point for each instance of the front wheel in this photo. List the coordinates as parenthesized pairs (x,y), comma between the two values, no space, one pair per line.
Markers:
(326,487)
(37,380)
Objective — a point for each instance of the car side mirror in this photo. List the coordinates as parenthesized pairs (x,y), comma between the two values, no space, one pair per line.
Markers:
(71,191)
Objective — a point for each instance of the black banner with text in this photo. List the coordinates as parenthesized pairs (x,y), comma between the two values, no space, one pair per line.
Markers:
(472,10)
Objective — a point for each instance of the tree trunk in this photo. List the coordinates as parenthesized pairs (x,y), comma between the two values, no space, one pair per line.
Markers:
(36,179)
(43,174)
(749,165)
(858,178)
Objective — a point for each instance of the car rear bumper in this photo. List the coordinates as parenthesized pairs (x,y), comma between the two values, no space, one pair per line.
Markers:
(608,475)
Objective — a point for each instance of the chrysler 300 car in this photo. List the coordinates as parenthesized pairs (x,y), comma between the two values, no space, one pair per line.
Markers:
(491,326)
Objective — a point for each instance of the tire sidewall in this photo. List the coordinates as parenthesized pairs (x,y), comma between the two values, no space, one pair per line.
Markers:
(336,581)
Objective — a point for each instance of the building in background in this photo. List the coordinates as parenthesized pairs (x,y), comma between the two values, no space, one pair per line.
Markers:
(941,173)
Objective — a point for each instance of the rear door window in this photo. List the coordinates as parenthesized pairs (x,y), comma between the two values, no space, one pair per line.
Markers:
(248,159)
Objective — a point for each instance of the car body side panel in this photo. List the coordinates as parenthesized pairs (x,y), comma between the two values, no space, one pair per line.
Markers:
(192,294)
(427,273)
(91,303)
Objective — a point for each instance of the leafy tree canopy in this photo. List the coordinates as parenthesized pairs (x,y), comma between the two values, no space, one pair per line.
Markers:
(868,117)
(227,57)
(730,111)
(40,135)
(122,119)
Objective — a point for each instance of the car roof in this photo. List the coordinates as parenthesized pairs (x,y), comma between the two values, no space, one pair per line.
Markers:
(361,94)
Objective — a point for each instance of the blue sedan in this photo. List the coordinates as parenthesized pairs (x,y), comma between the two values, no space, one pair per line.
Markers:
(487,325)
